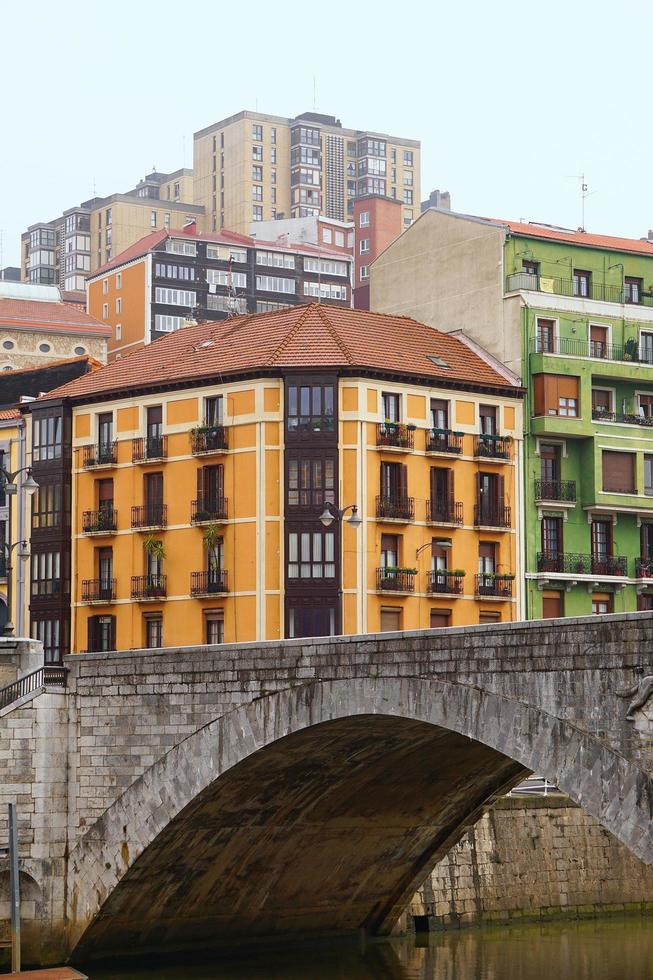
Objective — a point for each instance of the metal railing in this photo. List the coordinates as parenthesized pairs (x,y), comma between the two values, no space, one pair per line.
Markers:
(444,581)
(395,579)
(150,515)
(644,568)
(211,582)
(395,435)
(595,349)
(149,448)
(492,447)
(208,439)
(573,564)
(51,675)
(98,590)
(490,584)
(565,287)
(148,586)
(444,441)
(562,490)
(395,508)
(598,415)
(100,454)
(492,515)
(208,508)
(444,511)
(99,521)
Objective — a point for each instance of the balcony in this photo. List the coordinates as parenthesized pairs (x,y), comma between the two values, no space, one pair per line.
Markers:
(99,455)
(644,568)
(488,584)
(600,416)
(570,564)
(597,350)
(149,516)
(103,521)
(560,491)
(492,515)
(565,287)
(208,440)
(444,582)
(394,435)
(395,579)
(150,449)
(444,512)
(99,590)
(148,587)
(213,582)
(391,508)
(491,447)
(444,441)
(209,510)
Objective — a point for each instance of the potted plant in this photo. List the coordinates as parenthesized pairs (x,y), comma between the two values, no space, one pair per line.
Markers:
(212,536)
(631,350)
(156,553)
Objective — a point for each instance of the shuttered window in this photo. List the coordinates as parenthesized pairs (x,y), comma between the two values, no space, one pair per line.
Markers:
(555,394)
(618,472)
(601,401)
(552,605)
(390,620)
(440,617)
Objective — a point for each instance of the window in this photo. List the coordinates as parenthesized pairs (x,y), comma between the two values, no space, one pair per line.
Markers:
(311,482)
(105,311)
(166,220)
(601,540)
(45,348)
(47,574)
(486,557)
(391,406)
(364,272)
(490,500)
(568,407)
(545,336)
(408,181)
(257,132)
(152,219)
(326,267)
(648,476)
(273,158)
(601,402)
(257,192)
(340,239)
(555,394)
(311,554)
(645,406)
(364,246)
(550,463)
(408,197)
(327,236)
(390,619)
(552,605)
(489,616)
(101,634)
(632,290)
(105,286)
(119,280)
(257,153)
(257,213)
(47,506)
(281,260)
(439,413)
(213,410)
(268,306)
(408,158)
(223,277)
(273,176)
(154,631)
(226,253)
(181,248)
(47,438)
(311,618)
(163,323)
(351,149)
(214,627)
(618,472)
(487,417)
(49,632)
(598,341)
(175,297)
(310,407)
(601,605)
(8,344)
(105,429)
(119,305)
(552,536)
(275,284)
(364,219)
(273,134)
(581,282)
(325,290)
(257,172)
(166,270)
(440,618)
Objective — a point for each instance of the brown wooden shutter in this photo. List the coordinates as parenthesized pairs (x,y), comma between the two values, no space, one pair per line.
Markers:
(450,493)
(92,633)
(486,549)
(618,471)
(551,605)
(403,480)
(390,620)
(599,334)
(538,394)
(440,617)
(219,480)
(567,386)
(500,485)
(112,633)
(434,483)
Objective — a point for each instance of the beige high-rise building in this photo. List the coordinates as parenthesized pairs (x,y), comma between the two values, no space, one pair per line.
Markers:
(254,167)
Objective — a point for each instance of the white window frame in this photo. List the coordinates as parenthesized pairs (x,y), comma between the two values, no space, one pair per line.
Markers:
(364,219)
(364,246)
(105,311)
(105,286)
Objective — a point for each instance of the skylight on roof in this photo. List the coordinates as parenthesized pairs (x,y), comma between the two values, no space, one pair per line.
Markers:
(438,361)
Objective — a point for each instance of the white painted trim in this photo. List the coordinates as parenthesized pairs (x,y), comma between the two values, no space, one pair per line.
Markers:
(603,326)
(586,307)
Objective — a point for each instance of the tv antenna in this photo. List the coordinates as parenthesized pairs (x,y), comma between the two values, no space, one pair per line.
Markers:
(584,194)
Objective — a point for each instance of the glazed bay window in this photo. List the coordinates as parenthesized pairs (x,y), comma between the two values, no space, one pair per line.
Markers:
(311,554)
(226,253)
(175,297)
(325,290)
(618,472)
(280,260)
(50,633)
(181,248)
(167,324)
(47,574)
(223,277)
(556,394)
(311,483)
(47,438)
(276,284)
(311,618)
(47,509)
(310,407)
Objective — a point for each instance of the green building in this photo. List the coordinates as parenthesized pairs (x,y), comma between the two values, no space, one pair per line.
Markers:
(571,313)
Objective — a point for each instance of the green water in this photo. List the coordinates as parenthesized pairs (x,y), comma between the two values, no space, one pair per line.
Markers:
(613,949)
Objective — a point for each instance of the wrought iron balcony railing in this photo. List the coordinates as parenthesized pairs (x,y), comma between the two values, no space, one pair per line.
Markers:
(395,579)
(644,568)
(208,509)
(492,515)
(596,349)
(489,584)
(102,521)
(395,435)
(100,454)
(444,511)
(148,587)
(572,564)
(149,515)
(208,439)
(493,447)
(444,581)
(444,441)
(99,590)
(212,582)
(599,415)
(391,508)
(561,490)
(149,449)
(565,287)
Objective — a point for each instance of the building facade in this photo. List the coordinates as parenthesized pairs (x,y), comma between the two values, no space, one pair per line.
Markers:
(64,251)
(573,313)
(255,167)
(169,280)
(378,222)
(202,467)
(13,526)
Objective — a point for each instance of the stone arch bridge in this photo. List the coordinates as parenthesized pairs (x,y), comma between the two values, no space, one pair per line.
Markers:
(206,795)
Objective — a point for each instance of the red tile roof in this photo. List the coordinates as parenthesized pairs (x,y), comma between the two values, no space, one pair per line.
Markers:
(94,364)
(641,246)
(312,336)
(29,314)
(9,413)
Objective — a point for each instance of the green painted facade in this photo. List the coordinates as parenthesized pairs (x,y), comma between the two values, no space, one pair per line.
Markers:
(619,363)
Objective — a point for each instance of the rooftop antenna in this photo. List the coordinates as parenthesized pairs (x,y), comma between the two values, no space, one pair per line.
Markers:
(314,93)
(232,295)
(584,194)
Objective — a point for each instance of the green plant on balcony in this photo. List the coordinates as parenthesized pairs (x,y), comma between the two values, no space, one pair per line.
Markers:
(631,350)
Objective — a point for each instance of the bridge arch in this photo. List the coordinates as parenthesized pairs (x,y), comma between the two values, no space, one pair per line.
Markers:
(444,751)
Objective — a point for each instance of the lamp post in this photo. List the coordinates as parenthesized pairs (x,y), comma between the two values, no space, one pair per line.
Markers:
(330,514)
(29,486)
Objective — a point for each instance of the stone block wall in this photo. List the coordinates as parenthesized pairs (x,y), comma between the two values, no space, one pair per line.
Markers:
(532,858)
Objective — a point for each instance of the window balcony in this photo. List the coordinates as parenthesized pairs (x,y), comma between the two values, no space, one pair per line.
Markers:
(396,579)
(644,568)
(571,564)
(444,582)
(444,512)
(148,587)
(209,583)
(444,441)
(151,449)
(149,516)
(625,419)
(492,515)
(99,455)
(491,447)
(560,491)
(99,590)
(488,584)
(565,287)
(400,509)
(208,440)
(103,521)
(394,435)
(209,510)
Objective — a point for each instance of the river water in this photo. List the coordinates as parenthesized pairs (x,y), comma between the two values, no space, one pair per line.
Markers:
(612,949)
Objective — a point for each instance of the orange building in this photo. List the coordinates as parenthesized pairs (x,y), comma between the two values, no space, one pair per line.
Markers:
(212,468)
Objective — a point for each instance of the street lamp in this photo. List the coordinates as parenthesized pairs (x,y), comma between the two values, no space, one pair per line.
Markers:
(332,513)
(29,486)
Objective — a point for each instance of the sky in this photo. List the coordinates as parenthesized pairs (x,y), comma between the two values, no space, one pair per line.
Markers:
(511,101)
